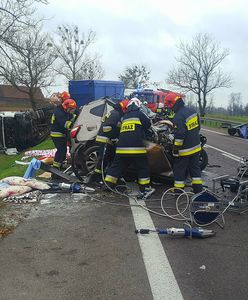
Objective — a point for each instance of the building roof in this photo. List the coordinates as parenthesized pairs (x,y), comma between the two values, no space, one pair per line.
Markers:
(10,92)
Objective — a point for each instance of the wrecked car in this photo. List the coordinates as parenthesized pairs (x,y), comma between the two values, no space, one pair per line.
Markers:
(21,130)
(84,149)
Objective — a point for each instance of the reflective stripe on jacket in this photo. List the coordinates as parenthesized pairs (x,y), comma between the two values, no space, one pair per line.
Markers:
(187,126)
(60,122)
(110,127)
(133,126)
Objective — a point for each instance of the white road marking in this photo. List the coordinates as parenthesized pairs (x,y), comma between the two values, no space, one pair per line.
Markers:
(236,159)
(227,154)
(160,275)
(214,131)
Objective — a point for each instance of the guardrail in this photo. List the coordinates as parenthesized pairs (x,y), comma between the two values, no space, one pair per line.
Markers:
(220,122)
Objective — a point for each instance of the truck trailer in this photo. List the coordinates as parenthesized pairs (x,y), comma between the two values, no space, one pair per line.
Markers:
(85,91)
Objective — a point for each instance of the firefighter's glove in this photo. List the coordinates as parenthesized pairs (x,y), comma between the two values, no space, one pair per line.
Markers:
(175,150)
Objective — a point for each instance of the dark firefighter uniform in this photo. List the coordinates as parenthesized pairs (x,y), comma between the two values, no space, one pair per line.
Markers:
(165,113)
(131,149)
(107,135)
(61,122)
(186,146)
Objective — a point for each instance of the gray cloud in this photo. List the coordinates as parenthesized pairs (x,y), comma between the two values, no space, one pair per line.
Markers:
(149,35)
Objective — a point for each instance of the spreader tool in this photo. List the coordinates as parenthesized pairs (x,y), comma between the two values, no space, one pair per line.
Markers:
(194,232)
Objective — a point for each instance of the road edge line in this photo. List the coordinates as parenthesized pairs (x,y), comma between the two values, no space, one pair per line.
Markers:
(160,275)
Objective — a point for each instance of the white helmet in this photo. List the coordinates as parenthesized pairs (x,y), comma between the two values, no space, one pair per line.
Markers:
(135,101)
(161,105)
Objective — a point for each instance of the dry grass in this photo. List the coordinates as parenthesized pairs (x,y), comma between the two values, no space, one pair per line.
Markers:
(4,231)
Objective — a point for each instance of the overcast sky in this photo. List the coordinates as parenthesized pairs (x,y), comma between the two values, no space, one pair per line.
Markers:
(147,32)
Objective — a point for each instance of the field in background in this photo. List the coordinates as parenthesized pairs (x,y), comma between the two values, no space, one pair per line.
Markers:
(223,121)
(242,119)
(20,105)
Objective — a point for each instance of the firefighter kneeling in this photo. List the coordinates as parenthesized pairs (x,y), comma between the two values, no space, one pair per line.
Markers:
(131,150)
(186,146)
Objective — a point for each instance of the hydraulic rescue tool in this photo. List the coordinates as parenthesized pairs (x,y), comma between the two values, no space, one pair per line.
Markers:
(191,232)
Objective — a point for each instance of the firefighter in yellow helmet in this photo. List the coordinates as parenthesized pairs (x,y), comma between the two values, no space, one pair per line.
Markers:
(186,145)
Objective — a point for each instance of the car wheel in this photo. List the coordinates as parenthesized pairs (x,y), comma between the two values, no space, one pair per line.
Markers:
(203,159)
(232,131)
(84,160)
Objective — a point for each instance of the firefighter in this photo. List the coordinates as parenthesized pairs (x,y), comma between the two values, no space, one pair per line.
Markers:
(62,121)
(160,108)
(64,96)
(163,112)
(131,149)
(186,144)
(107,137)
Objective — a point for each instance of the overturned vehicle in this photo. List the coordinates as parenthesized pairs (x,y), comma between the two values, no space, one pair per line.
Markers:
(84,149)
(20,130)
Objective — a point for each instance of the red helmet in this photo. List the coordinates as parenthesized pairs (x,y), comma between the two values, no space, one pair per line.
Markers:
(171,99)
(69,103)
(64,95)
(123,105)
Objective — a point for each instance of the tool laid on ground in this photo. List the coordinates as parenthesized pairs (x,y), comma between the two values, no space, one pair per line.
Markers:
(73,187)
(191,232)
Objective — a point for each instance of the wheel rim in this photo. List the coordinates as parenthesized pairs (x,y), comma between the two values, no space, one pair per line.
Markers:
(91,161)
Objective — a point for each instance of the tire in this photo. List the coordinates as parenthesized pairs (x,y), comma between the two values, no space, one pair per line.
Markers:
(84,160)
(203,160)
(232,131)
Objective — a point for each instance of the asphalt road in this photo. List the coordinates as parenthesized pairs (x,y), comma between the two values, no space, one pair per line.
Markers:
(76,247)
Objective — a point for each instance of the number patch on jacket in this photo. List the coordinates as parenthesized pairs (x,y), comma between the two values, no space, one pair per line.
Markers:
(192,123)
(127,127)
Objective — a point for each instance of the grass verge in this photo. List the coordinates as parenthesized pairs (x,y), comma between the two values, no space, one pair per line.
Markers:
(242,119)
(10,168)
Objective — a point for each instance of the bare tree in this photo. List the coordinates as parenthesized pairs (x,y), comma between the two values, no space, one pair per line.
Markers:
(198,68)
(210,105)
(14,14)
(235,106)
(135,77)
(28,62)
(75,61)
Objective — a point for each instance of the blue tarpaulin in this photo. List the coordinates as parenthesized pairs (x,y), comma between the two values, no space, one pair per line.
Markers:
(244,131)
(32,168)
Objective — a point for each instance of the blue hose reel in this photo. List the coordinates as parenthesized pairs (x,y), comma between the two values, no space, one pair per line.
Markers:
(205,208)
